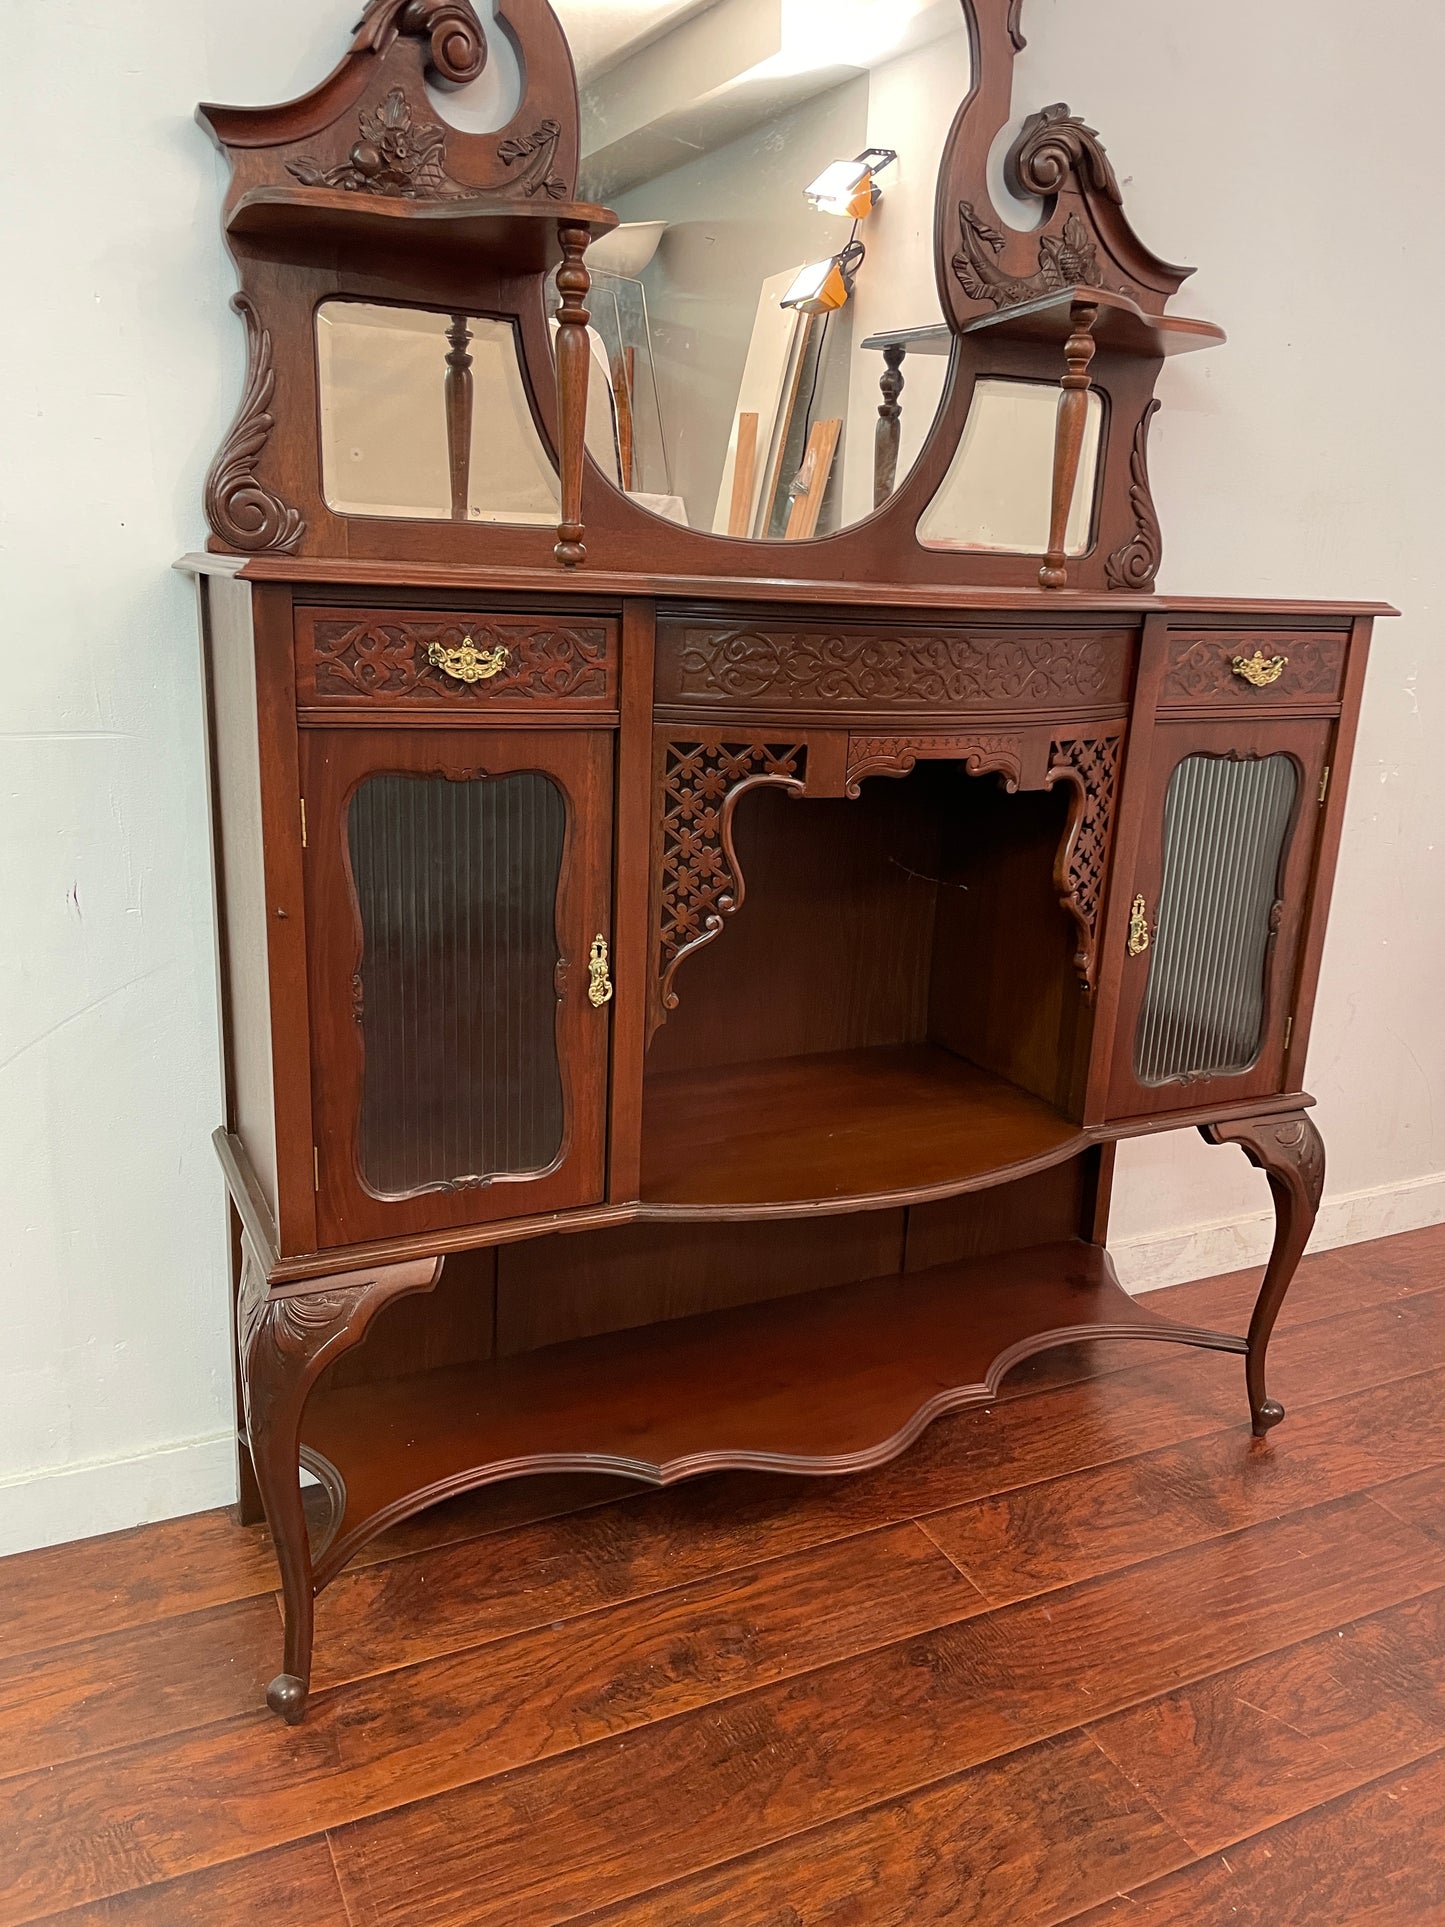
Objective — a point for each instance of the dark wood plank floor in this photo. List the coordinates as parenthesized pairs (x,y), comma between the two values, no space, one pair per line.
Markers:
(1091,1655)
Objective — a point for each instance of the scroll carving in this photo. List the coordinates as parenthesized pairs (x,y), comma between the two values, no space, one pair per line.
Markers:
(799,668)
(1090,765)
(1015,25)
(1135,563)
(998,755)
(458,49)
(1054,144)
(375,661)
(242,511)
(701,884)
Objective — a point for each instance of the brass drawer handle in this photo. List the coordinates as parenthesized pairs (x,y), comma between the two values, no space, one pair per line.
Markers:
(599,989)
(468,663)
(1138,928)
(1259,669)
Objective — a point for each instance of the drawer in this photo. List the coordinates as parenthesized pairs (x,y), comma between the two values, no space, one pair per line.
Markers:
(1248,667)
(735,663)
(372,660)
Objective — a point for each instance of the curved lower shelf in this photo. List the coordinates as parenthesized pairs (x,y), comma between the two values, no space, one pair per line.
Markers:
(840,1131)
(834,1381)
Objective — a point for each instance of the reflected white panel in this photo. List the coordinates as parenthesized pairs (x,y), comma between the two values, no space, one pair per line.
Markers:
(997,493)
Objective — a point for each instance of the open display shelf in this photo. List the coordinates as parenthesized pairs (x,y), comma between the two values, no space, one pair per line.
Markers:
(840,1127)
(832,1381)
(318,224)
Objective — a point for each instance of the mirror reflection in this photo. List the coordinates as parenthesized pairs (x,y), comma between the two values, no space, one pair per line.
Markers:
(425,415)
(775,164)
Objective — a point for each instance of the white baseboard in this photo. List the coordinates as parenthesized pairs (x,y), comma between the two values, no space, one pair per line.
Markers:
(1156,1259)
(66,1502)
(77,1501)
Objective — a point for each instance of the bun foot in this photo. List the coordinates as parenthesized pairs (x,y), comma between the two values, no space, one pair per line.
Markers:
(1268,1416)
(287,1696)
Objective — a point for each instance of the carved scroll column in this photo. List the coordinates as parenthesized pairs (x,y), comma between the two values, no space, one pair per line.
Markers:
(284,1343)
(1069,440)
(574,358)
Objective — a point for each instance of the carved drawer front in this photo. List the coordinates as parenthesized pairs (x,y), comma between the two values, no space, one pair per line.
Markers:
(1249,667)
(803,666)
(456,665)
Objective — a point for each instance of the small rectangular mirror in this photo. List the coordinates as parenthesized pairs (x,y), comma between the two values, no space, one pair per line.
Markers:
(998,492)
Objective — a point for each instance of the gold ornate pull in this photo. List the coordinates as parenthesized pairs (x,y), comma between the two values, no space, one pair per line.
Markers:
(1138,928)
(1260,669)
(468,663)
(599,989)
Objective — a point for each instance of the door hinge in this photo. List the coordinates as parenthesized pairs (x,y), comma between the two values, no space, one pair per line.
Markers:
(1325,783)
(303,822)
(1288,1031)
(316,1168)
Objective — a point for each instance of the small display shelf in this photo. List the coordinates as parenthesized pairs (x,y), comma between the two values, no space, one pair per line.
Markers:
(840,1127)
(313,224)
(1122,326)
(833,1381)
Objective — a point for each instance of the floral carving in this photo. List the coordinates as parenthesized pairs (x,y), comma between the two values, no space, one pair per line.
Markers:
(241,510)
(1202,668)
(1000,755)
(536,150)
(1067,260)
(1090,764)
(1135,563)
(797,668)
(701,884)
(375,661)
(395,155)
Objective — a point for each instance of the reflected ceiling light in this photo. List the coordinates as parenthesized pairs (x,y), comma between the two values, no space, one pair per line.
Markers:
(826,285)
(848,187)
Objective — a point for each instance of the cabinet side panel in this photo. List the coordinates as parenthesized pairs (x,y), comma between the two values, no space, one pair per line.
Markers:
(240,873)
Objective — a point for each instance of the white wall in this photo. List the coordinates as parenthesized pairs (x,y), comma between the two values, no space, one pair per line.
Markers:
(1302,459)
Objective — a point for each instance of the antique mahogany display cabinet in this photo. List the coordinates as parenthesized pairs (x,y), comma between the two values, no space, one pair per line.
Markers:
(681,991)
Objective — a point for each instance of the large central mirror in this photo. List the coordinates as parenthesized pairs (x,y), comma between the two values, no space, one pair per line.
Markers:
(775,165)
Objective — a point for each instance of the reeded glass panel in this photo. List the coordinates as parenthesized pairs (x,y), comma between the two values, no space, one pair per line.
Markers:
(457,889)
(1225,825)
(998,492)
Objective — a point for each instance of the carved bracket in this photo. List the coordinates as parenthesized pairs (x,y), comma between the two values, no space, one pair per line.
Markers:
(1090,765)
(1135,563)
(243,512)
(981,754)
(702,784)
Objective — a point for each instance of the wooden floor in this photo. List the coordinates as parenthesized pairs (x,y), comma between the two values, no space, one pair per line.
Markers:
(1090,1655)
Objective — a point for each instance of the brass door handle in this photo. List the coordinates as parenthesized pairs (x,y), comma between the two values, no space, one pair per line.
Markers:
(599,987)
(1259,669)
(1138,927)
(467,663)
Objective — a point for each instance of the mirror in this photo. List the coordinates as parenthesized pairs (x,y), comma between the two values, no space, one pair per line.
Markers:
(425,415)
(998,492)
(704,126)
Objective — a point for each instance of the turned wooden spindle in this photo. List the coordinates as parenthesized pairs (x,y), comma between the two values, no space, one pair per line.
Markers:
(459,414)
(1069,439)
(574,354)
(889,433)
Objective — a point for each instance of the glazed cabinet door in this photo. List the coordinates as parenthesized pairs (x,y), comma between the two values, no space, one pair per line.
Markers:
(1216,913)
(458,931)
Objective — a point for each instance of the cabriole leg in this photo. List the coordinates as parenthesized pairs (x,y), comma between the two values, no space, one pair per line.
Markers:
(1291,1153)
(284,1343)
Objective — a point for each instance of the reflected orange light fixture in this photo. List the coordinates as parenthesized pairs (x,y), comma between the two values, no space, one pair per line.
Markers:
(848,188)
(826,285)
